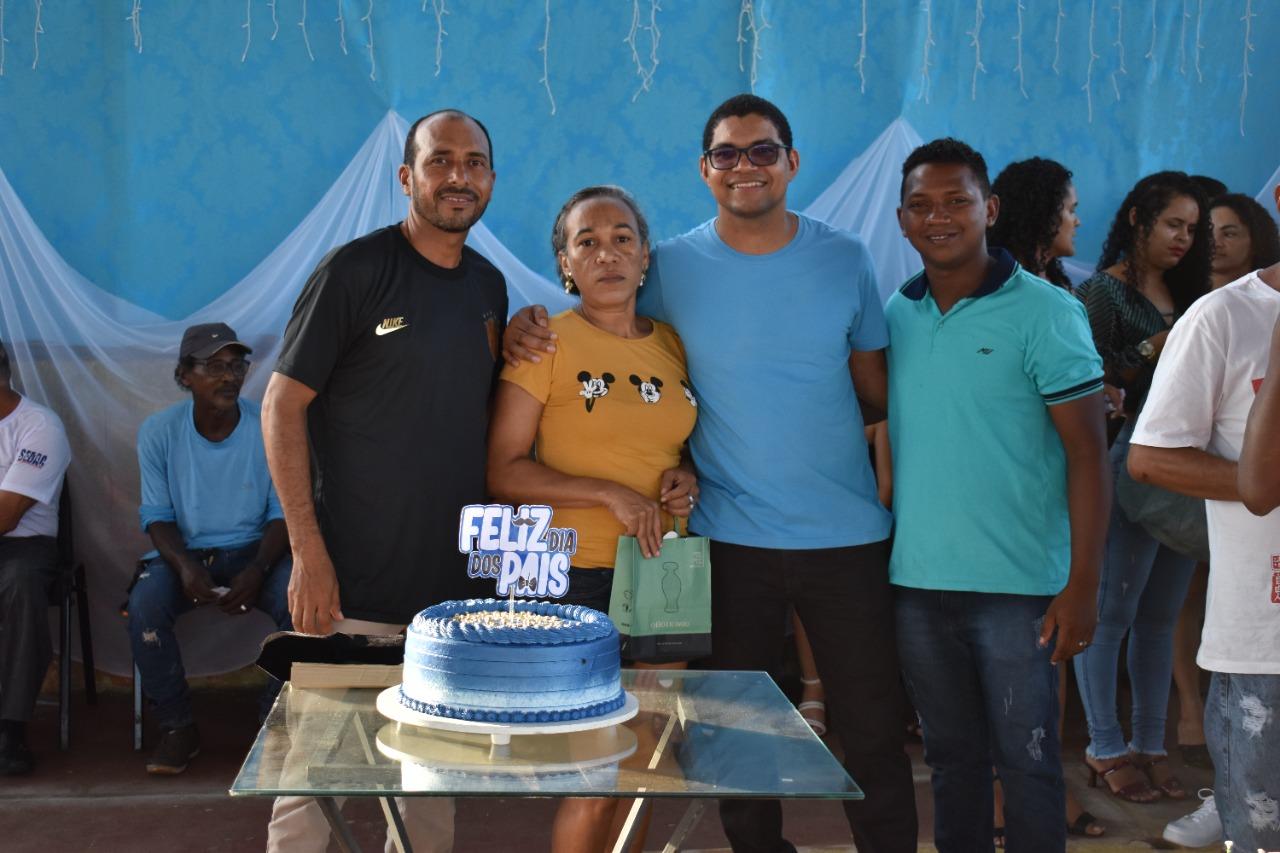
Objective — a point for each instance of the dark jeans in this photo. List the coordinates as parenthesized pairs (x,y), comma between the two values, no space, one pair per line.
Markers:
(28,566)
(987,696)
(843,598)
(156,602)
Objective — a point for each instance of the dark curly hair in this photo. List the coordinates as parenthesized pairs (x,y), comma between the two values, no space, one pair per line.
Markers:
(560,239)
(1187,281)
(1264,238)
(1032,196)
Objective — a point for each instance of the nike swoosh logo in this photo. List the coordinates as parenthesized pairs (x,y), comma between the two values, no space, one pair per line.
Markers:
(383,330)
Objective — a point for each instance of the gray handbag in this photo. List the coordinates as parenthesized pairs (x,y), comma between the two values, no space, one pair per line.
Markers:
(1175,521)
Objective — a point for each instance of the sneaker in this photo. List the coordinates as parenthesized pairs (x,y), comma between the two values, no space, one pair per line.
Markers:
(15,756)
(174,752)
(1200,828)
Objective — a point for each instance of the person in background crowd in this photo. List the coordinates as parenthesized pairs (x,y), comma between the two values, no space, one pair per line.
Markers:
(1038,221)
(788,497)
(215,522)
(1213,378)
(995,393)
(34,456)
(1245,238)
(1155,263)
(384,381)
(1037,225)
(608,463)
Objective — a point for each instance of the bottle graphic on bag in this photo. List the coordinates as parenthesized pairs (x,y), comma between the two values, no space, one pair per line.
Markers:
(671,587)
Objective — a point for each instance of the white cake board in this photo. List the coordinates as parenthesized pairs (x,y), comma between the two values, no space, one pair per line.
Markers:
(429,752)
(389,706)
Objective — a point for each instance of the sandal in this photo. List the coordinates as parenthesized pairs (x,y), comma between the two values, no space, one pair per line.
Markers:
(1086,825)
(1162,777)
(1137,791)
(814,711)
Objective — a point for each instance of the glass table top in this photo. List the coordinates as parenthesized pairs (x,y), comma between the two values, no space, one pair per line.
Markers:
(697,734)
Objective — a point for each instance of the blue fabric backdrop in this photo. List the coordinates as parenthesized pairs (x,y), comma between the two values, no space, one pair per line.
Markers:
(166,175)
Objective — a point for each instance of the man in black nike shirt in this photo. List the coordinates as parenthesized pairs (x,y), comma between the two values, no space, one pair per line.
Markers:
(376,415)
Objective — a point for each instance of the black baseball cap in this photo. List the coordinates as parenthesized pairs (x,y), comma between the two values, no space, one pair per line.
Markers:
(206,339)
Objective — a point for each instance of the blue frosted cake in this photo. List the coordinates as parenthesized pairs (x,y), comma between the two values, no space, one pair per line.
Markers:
(474,660)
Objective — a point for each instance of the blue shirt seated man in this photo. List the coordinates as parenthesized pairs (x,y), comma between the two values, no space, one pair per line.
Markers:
(216,523)
(33,457)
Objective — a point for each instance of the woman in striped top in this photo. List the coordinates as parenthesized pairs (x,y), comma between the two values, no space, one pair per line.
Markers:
(1155,263)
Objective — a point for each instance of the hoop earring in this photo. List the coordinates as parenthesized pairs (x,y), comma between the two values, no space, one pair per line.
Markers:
(568,284)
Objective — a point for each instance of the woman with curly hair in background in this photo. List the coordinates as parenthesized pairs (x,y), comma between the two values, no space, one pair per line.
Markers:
(1038,222)
(1244,238)
(1155,263)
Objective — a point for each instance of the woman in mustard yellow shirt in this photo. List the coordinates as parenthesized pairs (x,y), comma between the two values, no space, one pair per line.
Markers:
(606,416)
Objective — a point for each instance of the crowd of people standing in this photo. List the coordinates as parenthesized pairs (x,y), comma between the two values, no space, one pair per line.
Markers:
(733,377)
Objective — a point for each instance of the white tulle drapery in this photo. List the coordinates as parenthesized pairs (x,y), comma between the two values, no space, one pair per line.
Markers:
(105,364)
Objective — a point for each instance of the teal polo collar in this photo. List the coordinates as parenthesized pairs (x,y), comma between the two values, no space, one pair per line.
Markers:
(1003,270)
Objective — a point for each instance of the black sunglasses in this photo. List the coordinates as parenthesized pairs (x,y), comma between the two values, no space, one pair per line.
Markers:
(761,154)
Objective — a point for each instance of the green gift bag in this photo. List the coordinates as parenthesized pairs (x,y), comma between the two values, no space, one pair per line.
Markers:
(662,606)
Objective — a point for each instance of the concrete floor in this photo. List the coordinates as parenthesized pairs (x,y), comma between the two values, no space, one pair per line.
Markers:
(98,797)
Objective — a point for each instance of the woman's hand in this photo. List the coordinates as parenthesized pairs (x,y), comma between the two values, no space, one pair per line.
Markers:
(641,517)
(678,491)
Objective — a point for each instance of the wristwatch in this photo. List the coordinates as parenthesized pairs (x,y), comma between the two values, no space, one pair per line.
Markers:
(1147,350)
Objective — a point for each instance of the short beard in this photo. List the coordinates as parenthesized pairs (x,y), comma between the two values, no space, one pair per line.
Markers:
(427,211)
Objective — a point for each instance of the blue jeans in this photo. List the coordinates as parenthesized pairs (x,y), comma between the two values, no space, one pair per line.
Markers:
(1242,728)
(156,602)
(987,696)
(1141,591)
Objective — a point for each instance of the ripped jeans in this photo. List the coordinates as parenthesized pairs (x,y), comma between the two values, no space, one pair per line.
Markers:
(157,600)
(987,697)
(1242,728)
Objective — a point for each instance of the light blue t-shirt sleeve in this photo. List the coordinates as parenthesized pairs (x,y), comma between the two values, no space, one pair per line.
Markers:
(157,501)
(868,331)
(1061,358)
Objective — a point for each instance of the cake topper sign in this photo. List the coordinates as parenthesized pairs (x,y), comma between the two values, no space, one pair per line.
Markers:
(519,548)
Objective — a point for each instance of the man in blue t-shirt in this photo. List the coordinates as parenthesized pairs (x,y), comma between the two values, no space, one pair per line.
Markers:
(216,524)
(1001,491)
(788,496)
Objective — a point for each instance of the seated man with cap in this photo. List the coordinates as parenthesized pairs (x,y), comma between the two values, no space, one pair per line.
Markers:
(216,524)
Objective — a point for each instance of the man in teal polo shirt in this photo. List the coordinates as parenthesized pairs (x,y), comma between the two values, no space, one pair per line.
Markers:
(1001,492)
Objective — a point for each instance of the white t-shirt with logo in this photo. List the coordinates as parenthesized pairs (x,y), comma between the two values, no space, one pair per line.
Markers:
(1212,365)
(34,455)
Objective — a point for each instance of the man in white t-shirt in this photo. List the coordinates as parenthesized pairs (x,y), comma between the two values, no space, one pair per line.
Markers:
(33,457)
(1188,439)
